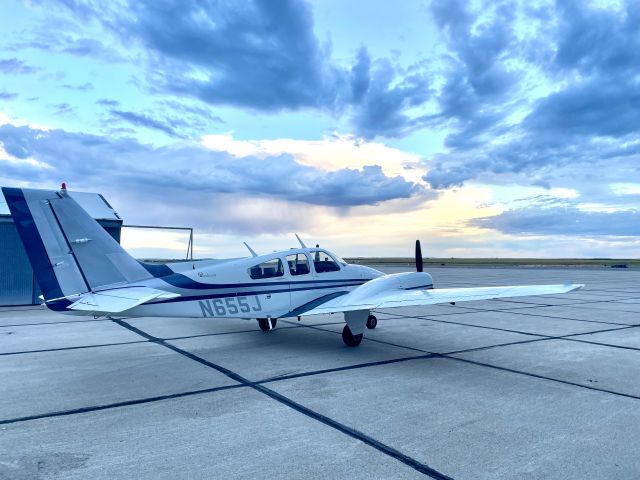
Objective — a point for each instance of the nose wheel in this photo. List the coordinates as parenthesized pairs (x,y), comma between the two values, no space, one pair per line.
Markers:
(267,324)
(372,322)
(349,339)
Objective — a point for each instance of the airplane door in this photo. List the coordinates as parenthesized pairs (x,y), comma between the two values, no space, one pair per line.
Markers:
(302,284)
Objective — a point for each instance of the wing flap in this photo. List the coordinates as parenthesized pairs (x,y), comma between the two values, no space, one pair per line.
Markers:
(405,298)
(118,300)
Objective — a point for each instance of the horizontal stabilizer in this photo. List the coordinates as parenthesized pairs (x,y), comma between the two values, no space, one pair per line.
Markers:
(405,298)
(118,300)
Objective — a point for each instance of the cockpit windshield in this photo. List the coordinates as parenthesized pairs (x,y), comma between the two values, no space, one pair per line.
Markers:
(324,262)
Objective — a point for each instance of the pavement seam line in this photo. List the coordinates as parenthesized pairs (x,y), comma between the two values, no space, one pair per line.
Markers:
(448,355)
(353,433)
(622,326)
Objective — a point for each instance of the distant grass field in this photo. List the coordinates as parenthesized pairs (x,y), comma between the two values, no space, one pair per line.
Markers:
(475,262)
(505,262)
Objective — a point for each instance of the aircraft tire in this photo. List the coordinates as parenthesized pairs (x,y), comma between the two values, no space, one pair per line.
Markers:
(264,324)
(349,339)
(372,322)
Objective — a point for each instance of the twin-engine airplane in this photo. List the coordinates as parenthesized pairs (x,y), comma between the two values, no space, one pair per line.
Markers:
(82,270)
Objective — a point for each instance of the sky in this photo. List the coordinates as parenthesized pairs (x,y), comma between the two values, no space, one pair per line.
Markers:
(483,128)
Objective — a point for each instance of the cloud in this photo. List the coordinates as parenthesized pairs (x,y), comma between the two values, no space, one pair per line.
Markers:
(563,221)
(193,112)
(87,47)
(13,66)
(584,117)
(188,173)
(4,95)
(331,153)
(85,87)
(108,102)
(63,108)
(258,55)
(142,120)
(598,39)
(478,81)
(174,119)
(383,100)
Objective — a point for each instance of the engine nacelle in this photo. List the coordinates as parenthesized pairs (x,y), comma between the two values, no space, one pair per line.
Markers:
(395,281)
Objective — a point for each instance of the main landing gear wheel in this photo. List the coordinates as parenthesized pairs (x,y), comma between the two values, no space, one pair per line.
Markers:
(264,323)
(372,322)
(349,338)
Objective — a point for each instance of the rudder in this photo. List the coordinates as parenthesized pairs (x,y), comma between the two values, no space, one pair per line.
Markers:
(69,251)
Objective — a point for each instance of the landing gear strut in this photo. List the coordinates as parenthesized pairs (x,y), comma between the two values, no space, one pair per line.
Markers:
(267,324)
(372,322)
(349,338)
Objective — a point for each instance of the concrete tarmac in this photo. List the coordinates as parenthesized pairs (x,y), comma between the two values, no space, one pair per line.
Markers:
(528,388)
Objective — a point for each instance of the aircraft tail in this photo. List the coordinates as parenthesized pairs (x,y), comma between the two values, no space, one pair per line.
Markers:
(69,251)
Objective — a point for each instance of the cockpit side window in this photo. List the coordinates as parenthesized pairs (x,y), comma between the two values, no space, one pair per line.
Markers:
(269,269)
(298,264)
(323,262)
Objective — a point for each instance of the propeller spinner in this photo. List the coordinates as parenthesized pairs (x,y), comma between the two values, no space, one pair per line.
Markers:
(418,257)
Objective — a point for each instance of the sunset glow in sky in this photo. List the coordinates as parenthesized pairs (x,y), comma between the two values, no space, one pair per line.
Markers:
(484,128)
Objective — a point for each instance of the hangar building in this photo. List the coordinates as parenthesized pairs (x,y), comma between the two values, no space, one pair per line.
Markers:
(18,285)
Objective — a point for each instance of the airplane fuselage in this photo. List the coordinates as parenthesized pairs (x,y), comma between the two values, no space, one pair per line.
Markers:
(294,281)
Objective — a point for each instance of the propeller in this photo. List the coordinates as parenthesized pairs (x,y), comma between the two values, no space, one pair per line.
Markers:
(418,257)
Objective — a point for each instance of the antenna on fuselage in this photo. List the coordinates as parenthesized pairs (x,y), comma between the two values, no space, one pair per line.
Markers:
(250,249)
(299,240)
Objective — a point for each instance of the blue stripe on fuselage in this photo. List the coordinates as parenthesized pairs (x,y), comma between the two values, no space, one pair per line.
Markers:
(158,270)
(180,280)
(313,304)
(249,293)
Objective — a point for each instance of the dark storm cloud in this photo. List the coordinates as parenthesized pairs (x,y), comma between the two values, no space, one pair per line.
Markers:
(605,107)
(477,83)
(191,171)
(593,55)
(264,55)
(563,221)
(260,55)
(13,66)
(383,102)
(603,46)
(595,40)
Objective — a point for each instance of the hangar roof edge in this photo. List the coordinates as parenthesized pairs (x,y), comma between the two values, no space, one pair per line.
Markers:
(94,203)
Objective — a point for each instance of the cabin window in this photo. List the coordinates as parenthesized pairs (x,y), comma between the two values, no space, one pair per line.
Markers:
(298,264)
(323,262)
(268,269)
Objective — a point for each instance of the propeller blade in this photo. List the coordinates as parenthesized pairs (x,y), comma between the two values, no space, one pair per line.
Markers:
(418,257)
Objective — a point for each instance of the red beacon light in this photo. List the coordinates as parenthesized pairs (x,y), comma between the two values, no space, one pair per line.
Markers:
(63,186)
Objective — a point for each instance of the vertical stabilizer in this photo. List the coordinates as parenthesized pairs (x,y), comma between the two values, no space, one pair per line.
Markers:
(69,251)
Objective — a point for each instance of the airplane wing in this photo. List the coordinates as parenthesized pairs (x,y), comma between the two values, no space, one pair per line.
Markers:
(355,300)
(117,300)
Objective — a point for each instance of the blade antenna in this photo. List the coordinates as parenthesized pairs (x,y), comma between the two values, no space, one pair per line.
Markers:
(300,240)
(250,249)
(418,256)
